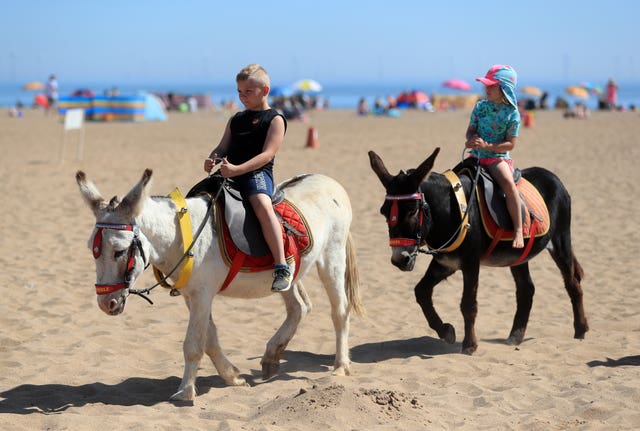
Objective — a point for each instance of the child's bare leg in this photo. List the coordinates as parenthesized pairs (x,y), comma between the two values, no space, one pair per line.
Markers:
(270,225)
(503,175)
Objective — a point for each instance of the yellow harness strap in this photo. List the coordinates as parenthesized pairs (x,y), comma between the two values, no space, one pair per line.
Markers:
(462,205)
(184,220)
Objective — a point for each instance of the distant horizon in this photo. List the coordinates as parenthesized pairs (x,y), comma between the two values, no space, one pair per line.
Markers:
(276,83)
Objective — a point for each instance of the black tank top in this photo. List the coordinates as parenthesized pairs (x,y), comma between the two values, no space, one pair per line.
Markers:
(248,135)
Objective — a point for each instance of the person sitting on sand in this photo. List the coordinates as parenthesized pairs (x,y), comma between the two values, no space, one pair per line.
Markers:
(492,132)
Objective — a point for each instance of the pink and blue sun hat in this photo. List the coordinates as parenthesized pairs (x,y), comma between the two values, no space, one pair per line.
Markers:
(506,77)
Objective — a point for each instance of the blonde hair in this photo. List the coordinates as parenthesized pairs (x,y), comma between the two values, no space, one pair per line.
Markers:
(255,73)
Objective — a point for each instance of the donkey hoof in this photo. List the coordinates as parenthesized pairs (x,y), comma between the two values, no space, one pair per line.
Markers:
(580,330)
(269,369)
(342,370)
(185,394)
(469,350)
(516,337)
(448,333)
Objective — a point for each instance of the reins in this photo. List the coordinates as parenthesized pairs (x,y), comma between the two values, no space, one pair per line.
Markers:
(144,292)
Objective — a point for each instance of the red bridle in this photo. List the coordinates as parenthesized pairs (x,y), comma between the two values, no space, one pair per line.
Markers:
(393,219)
(96,248)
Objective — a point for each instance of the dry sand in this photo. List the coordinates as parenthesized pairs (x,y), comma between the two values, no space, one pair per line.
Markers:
(66,365)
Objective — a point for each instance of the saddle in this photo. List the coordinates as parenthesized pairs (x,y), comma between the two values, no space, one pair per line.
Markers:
(493,208)
(240,237)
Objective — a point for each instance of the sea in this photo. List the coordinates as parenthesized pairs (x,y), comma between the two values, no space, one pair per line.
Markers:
(338,95)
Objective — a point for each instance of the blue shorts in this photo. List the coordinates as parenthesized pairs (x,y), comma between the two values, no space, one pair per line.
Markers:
(255,182)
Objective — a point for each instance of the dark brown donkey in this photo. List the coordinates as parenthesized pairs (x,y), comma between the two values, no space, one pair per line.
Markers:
(427,212)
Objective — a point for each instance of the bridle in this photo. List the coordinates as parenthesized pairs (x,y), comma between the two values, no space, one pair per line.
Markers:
(136,244)
(393,219)
(417,240)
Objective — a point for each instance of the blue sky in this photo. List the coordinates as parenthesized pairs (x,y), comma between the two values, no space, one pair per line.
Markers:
(333,41)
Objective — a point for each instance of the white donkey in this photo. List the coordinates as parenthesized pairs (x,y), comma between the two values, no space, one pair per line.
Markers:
(141,230)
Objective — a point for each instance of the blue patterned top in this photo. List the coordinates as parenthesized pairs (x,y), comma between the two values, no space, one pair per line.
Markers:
(493,123)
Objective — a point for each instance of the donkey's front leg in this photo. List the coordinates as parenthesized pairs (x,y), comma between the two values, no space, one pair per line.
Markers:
(424,296)
(469,307)
(199,305)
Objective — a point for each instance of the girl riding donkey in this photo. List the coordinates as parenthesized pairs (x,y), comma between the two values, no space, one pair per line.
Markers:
(492,133)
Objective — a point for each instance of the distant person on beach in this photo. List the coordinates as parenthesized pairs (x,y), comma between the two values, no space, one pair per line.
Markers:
(492,133)
(363,106)
(543,101)
(247,149)
(612,94)
(51,92)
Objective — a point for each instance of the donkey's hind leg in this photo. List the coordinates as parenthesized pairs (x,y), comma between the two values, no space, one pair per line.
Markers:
(333,279)
(524,300)
(572,274)
(296,310)
(225,368)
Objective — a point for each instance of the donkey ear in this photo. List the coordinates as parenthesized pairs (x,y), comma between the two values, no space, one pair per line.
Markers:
(89,193)
(425,167)
(378,167)
(133,202)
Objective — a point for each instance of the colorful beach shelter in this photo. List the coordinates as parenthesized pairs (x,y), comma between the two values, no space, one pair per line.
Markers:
(154,109)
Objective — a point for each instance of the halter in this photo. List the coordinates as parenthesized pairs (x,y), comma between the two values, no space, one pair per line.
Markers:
(458,236)
(104,289)
(393,219)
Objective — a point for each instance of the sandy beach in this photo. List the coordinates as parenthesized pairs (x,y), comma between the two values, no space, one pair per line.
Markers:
(65,365)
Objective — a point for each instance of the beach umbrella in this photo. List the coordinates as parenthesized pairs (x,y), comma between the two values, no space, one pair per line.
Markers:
(596,90)
(307,85)
(284,91)
(29,86)
(457,84)
(531,91)
(577,91)
(419,97)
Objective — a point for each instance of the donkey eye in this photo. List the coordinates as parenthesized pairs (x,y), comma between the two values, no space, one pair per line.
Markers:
(119,254)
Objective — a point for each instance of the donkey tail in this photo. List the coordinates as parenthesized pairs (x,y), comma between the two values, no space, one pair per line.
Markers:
(352,280)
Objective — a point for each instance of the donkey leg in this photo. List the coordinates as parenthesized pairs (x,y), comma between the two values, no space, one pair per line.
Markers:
(572,274)
(469,307)
(424,296)
(225,368)
(525,290)
(199,305)
(296,310)
(333,279)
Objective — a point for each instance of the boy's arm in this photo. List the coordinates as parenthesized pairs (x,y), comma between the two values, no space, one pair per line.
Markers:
(220,150)
(223,147)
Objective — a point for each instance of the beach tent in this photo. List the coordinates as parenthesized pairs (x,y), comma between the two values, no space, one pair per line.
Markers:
(139,107)
(154,109)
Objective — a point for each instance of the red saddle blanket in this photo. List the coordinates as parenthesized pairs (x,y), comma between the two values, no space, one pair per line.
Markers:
(297,238)
(536,213)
